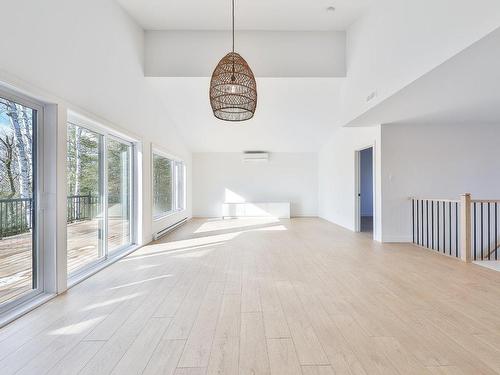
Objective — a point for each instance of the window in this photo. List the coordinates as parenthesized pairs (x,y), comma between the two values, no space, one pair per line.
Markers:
(100,193)
(162,185)
(168,185)
(20,256)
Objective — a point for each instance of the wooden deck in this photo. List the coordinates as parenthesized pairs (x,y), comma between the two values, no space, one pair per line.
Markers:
(16,255)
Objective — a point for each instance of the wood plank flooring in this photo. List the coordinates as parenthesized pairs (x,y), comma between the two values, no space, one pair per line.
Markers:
(261,296)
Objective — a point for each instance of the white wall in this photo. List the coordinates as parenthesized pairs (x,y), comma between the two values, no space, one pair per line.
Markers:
(366,182)
(87,56)
(287,177)
(435,161)
(336,176)
(398,41)
(269,53)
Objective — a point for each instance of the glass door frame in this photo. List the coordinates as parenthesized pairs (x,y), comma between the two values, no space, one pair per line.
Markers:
(106,134)
(38,257)
(115,252)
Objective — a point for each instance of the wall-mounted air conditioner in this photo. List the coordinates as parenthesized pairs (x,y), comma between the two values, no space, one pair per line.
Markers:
(255,156)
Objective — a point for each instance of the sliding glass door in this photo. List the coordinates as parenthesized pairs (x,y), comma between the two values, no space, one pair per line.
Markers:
(99,203)
(85,215)
(119,167)
(20,275)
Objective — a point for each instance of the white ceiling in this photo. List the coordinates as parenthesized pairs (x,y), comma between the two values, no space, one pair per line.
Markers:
(285,15)
(293,115)
(464,89)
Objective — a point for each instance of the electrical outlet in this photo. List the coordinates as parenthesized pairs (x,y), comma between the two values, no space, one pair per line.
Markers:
(372,96)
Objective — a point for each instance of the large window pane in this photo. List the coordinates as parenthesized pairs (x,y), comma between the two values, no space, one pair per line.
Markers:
(18,255)
(84,206)
(119,193)
(162,185)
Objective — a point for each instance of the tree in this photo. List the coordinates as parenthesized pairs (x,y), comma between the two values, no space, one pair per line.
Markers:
(78,161)
(83,161)
(23,158)
(7,157)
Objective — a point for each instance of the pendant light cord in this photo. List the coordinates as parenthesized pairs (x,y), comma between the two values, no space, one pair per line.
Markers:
(233,25)
(233,78)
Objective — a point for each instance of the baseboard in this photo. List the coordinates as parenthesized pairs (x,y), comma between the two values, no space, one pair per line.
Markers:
(396,239)
(338,224)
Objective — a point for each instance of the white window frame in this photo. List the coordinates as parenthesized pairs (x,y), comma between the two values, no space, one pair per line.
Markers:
(108,133)
(110,253)
(39,271)
(174,161)
(180,206)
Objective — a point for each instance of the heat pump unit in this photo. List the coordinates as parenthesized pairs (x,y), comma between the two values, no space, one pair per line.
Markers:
(255,156)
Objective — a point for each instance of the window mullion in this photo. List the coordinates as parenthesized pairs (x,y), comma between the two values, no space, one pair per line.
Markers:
(104,196)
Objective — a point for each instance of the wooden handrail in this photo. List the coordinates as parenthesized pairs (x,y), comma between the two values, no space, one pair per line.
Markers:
(436,200)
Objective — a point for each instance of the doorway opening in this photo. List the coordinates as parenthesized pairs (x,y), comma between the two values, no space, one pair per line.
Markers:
(365,188)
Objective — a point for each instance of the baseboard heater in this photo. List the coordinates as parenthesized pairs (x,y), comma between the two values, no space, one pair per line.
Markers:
(168,229)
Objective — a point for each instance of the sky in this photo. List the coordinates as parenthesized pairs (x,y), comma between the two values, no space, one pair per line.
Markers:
(4,120)
(5,124)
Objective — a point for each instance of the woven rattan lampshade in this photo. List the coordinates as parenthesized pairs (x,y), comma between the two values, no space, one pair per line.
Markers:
(233,90)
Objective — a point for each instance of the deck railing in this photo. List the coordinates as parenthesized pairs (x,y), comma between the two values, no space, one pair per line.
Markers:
(466,228)
(16,214)
(82,207)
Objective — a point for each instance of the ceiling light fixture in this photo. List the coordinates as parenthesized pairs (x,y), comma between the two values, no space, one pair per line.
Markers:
(233,90)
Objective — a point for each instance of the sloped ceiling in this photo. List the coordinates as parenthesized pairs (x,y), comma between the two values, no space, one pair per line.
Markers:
(464,89)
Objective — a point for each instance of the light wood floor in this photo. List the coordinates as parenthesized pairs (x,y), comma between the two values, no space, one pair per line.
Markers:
(262,297)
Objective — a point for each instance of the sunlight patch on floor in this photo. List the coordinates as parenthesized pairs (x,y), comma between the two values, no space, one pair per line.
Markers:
(141,282)
(273,228)
(225,224)
(189,243)
(75,329)
(112,301)
(196,254)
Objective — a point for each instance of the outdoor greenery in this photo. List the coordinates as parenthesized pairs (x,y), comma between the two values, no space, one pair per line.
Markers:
(162,185)
(84,158)
(16,148)
(118,171)
(83,161)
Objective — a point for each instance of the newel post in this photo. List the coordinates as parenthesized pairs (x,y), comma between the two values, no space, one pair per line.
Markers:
(465,228)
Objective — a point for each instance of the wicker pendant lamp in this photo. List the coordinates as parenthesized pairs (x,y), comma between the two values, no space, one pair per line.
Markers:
(233,90)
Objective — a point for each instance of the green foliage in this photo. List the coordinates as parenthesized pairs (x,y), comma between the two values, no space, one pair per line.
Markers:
(16,134)
(118,155)
(83,180)
(162,185)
